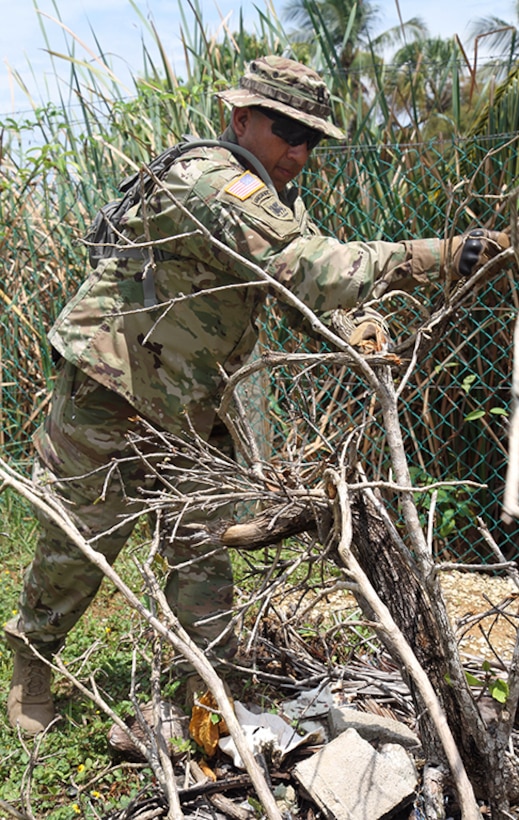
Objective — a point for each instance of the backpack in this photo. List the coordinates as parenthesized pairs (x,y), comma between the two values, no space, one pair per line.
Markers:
(104,233)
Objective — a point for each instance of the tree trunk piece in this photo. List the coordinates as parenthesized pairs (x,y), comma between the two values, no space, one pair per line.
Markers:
(395,578)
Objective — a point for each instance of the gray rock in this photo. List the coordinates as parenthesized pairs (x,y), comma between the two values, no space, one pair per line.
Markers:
(401,762)
(349,780)
(371,727)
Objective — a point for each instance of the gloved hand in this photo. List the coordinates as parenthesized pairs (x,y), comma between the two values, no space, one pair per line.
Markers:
(362,328)
(469,252)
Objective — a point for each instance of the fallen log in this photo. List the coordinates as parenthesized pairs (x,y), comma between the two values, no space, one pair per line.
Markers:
(274,525)
(396,579)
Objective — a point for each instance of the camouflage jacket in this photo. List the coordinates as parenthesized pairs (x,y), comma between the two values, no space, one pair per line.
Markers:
(165,360)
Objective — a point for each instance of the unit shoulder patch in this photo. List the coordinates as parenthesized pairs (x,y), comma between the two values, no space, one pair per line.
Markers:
(246,185)
(272,205)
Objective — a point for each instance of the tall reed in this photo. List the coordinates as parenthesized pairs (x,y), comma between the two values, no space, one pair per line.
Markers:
(386,181)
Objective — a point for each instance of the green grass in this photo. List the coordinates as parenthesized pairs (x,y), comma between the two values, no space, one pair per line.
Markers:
(71,772)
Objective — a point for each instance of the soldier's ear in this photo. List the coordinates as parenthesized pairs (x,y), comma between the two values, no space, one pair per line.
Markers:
(241,119)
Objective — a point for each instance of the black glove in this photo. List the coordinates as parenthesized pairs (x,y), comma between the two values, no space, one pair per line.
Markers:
(469,252)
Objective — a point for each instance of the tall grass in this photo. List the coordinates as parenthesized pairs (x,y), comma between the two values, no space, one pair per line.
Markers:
(387,181)
(61,165)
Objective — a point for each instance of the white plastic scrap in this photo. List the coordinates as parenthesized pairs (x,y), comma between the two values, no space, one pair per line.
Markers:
(264,733)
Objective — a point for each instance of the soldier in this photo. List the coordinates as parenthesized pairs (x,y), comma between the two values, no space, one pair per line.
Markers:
(126,351)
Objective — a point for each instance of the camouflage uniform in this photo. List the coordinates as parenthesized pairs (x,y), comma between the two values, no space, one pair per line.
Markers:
(83,438)
(163,362)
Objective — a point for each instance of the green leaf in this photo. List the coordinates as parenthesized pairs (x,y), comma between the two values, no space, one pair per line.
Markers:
(448,526)
(472,680)
(440,367)
(498,411)
(476,414)
(499,690)
(468,381)
(160,564)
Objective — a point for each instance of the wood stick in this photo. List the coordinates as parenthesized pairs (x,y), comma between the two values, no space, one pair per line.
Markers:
(511,495)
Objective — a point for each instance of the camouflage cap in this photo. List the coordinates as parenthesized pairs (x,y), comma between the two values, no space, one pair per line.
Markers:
(286,86)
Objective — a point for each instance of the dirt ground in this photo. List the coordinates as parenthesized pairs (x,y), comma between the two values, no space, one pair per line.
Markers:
(485,612)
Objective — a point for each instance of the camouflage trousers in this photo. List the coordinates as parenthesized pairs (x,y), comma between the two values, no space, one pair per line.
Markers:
(84,457)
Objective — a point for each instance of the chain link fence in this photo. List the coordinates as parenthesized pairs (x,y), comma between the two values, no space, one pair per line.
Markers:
(455,402)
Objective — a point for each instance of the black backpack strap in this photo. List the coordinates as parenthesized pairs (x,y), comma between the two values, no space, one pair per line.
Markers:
(101,235)
(164,161)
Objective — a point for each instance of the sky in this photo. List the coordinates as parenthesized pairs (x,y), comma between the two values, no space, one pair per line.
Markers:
(120,30)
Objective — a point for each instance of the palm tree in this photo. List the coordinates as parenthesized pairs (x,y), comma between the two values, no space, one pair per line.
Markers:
(498,79)
(424,85)
(345,26)
(346,22)
(335,36)
(501,39)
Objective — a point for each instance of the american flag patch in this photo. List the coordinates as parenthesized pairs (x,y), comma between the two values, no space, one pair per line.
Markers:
(246,185)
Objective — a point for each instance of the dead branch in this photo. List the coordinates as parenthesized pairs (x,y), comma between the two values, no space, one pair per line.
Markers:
(169,783)
(269,528)
(12,812)
(173,633)
(433,793)
(219,801)
(393,638)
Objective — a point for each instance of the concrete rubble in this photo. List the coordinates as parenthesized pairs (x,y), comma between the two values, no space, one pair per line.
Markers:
(350,780)
(364,772)
(371,727)
(363,768)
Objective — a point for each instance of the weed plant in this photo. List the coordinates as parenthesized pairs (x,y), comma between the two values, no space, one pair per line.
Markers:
(70,772)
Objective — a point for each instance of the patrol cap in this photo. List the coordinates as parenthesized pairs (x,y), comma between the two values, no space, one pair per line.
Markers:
(289,87)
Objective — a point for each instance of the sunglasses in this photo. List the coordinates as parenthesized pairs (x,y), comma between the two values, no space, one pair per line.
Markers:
(292,131)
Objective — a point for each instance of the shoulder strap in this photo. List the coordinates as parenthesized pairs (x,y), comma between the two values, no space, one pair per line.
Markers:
(163,161)
(102,238)
(236,149)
